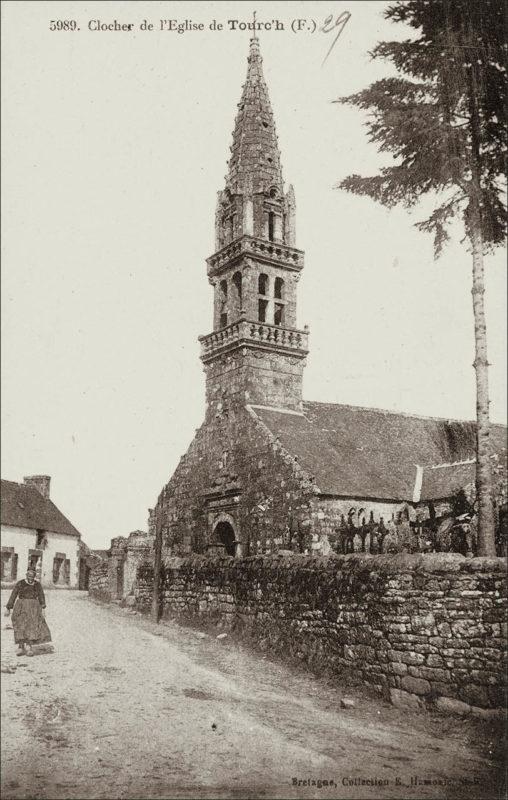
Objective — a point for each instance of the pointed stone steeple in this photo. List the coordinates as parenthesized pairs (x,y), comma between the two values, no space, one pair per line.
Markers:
(253,201)
(255,353)
(255,158)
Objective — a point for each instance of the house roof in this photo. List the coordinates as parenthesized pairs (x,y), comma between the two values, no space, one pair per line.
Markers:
(24,507)
(362,452)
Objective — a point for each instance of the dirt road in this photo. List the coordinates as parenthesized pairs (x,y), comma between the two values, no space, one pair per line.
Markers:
(124,708)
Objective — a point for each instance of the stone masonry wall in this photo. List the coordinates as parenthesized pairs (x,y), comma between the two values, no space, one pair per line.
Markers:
(420,628)
(98,586)
(231,466)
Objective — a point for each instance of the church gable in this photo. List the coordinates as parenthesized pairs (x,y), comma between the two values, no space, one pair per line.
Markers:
(234,472)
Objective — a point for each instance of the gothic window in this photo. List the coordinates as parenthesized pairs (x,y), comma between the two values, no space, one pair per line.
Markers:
(278,291)
(262,306)
(237,283)
(271,225)
(278,315)
(263,284)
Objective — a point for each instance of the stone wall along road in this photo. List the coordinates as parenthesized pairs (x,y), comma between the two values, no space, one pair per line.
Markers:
(126,708)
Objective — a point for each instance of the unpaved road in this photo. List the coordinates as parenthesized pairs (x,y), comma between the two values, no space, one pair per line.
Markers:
(124,708)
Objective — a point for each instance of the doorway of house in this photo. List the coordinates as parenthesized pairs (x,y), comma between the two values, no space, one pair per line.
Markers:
(224,533)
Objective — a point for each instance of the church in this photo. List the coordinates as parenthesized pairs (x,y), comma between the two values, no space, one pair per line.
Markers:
(268,471)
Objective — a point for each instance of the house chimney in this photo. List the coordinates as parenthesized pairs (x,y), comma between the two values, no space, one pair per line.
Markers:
(39,482)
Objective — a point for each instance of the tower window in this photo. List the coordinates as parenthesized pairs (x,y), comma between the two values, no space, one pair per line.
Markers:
(278,316)
(262,306)
(278,291)
(263,284)
(223,304)
(271,225)
(237,283)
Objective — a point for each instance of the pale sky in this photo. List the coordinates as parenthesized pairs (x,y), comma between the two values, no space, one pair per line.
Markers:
(114,146)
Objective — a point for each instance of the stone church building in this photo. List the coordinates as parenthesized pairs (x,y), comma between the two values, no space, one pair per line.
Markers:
(266,469)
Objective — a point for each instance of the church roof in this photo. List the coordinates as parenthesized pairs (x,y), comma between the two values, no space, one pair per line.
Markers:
(444,480)
(24,507)
(254,165)
(369,453)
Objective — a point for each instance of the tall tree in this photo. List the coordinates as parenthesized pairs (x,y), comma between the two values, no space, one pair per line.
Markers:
(443,120)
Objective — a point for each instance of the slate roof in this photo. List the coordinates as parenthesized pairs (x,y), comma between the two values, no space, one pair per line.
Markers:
(444,480)
(369,453)
(24,507)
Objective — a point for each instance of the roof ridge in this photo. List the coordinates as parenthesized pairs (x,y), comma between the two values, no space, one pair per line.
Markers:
(454,463)
(397,413)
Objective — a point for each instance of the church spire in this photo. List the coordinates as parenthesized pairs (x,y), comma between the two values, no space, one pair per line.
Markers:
(254,165)
(255,353)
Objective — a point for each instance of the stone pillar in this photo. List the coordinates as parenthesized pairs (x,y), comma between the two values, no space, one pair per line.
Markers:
(248,216)
(290,232)
(277,232)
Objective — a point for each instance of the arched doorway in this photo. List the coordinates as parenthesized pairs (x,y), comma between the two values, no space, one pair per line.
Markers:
(224,533)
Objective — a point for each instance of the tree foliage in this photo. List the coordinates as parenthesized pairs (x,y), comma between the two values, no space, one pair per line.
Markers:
(443,118)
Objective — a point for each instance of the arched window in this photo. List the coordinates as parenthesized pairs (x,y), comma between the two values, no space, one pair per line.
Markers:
(271,225)
(278,291)
(225,534)
(262,306)
(237,283)
(263,284)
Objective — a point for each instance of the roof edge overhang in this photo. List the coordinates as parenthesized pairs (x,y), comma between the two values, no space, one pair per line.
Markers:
(75,534)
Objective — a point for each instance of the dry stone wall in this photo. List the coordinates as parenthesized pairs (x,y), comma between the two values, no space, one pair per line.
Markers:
(420,628)
(99,583)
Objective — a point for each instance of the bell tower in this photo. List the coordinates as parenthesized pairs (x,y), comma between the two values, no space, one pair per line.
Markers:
(255,353)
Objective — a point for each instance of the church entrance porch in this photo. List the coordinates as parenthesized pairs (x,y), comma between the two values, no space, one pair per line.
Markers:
(225,534)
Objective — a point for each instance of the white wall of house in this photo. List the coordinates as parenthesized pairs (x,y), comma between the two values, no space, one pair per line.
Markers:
(25,539)
(66,545)
(22,540)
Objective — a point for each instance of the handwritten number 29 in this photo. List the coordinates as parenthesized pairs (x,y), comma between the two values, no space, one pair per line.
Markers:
(330,24)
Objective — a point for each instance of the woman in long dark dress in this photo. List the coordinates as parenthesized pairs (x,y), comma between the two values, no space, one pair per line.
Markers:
(28,601)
